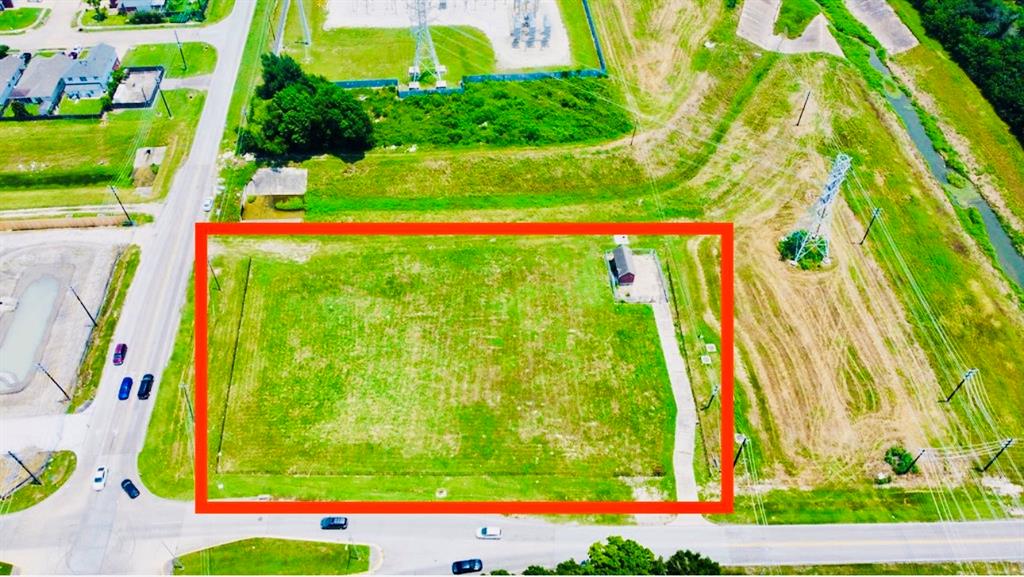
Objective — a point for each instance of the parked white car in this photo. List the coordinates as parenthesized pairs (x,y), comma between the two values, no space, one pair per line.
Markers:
(99,480)
(208,204)
(488,533)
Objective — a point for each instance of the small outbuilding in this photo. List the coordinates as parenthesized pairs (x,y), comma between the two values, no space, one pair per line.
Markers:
(623,267)
(277,183)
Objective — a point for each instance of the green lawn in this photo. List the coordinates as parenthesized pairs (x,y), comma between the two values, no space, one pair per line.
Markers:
(57,472)
(81,106)
(263,556)
(200,57)
(794,16)
(970,568)
(6,568)
(499,381)
(581,41)
(72,162)
(91,369)
(18,18)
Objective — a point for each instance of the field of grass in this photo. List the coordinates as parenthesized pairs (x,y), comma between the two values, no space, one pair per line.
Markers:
(91,369)
(72,162)
(262,556)
(499,381)
(57,472)
(18,18)
(201,58)
(794,16)
(581,41)
(972,568)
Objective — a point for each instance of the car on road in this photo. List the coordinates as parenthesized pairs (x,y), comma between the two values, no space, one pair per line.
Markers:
(119,352)
(208,204)
(130,488)
(125,390)
(99,480)
(488,533)
(334,523)
(467,566)
(145,386)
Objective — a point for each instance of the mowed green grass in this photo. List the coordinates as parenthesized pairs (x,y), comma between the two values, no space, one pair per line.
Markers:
(390,368)
(72,162)
(57,472)
(794,16)
(200,58)
(262,556)
(18,18)
(356,53)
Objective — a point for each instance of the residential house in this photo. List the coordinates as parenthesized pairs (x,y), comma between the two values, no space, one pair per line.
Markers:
(88,77)
(42,82)
(11,68)
(138,5)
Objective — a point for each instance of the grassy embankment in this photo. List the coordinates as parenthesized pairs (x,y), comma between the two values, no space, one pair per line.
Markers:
(548,393)
(200,58)
(263,556)
(58,470)
(72,162)
(91,369)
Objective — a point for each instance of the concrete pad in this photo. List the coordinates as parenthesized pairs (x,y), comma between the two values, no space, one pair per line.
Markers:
(757,24)
(884,24)
(149,155)
(492,17)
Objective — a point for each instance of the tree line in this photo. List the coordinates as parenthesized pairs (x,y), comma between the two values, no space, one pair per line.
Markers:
(620,556)
(985,38)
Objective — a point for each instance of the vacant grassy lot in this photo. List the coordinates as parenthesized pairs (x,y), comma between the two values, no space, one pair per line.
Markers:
(200,58)
(18,18)
(57,472)
(72,162)
(263,556)
(492,369)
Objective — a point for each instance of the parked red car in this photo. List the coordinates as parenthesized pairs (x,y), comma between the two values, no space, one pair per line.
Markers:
(119,352)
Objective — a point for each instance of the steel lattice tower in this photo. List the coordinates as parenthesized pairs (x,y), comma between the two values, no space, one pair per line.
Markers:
(819,231)
(425,62)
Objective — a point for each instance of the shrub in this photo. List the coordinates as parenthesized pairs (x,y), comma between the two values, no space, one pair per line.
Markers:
(900,460)
(290,204)
(814,251)
(138,17)
(685,562)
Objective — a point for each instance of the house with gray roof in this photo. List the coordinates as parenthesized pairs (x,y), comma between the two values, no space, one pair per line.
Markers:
(138,5)
(11,68)
(88,77)
(42,82)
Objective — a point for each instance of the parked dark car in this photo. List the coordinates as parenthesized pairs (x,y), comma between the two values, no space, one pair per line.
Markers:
(130,488)
(334,523)
(119,352)
(145,386)
(467,566)
(126,389)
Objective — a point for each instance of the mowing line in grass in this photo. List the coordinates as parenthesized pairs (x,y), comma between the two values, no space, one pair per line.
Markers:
(234,357)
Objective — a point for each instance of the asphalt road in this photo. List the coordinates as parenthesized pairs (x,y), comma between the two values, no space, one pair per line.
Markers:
(78,530)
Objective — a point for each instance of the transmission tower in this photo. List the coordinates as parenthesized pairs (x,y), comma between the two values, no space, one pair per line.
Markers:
(425,62)
(524,22)
(818,232)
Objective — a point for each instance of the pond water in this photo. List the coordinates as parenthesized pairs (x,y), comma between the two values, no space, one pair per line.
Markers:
(20,344)
(1011,261)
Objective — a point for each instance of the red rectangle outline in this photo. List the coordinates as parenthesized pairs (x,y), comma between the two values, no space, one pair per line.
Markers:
(723,230)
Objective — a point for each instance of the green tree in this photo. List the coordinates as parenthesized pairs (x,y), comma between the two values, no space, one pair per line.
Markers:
(686,562)
(99,12)
(279,72)
(901,461)
(622,557)
(4,49)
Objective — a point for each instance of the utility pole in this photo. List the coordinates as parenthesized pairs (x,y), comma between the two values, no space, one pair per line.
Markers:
(803,108)
(184,64)
(1006,445)
(714,393)
(214,273)
(84,308)
(910,467)
(874,216)
(35,480)
(123,209)
(743,443)
(53,380)
(166,107)
(634,134)
(967,376)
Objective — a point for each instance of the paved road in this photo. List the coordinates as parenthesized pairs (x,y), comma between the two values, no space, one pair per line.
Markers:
(81,531)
